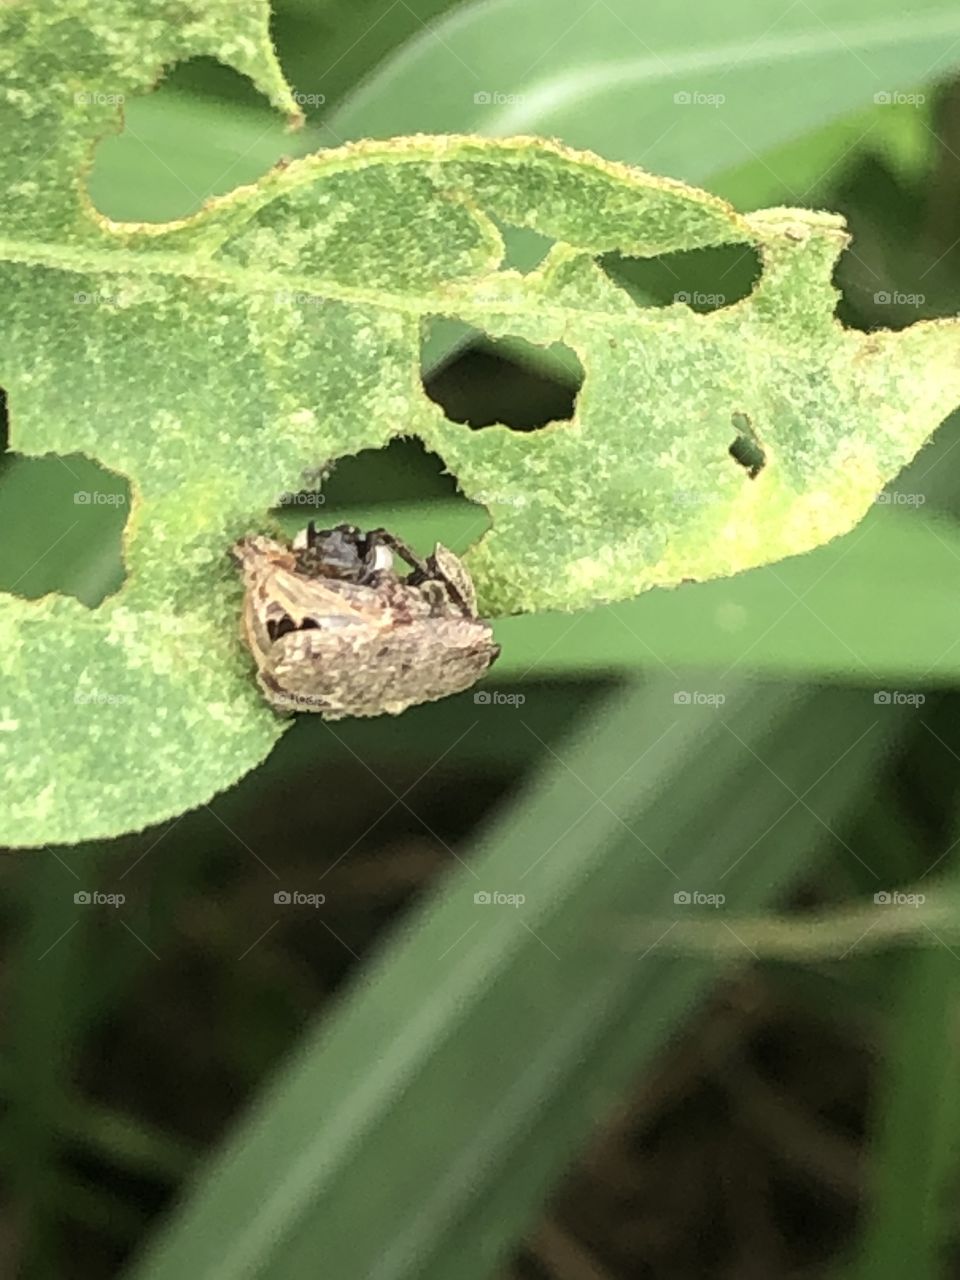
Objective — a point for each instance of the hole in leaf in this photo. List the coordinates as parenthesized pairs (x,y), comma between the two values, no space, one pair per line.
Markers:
(704,279)
(402,472)
(61,527)
(897,194)
(524,248)
(746,448)
(203,131)
(402,486)
(508,382)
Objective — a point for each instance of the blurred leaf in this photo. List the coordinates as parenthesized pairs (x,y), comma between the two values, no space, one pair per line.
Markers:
(514,1028)
(638,86)
(806,169)
(915,1119)
(606,77)
(45,1020)
(327,49)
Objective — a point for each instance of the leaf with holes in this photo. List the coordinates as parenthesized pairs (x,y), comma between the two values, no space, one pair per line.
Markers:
(210,361)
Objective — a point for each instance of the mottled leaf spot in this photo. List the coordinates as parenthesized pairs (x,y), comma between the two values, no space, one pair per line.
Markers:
(153,170)
(509,382)
(703,279)
(61,526)
(746,448)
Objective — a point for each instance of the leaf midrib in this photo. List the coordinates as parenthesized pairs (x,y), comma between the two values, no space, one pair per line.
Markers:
(444,300)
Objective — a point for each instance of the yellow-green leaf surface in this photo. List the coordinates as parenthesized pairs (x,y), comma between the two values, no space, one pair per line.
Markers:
(211,361)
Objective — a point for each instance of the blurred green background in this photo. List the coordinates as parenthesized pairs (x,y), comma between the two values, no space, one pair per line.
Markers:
(718,1036)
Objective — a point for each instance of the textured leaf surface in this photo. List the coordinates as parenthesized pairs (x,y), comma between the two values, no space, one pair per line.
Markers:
(210,361)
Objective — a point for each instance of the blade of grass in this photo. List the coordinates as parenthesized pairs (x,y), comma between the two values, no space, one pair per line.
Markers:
(915,1122)
(44,1023)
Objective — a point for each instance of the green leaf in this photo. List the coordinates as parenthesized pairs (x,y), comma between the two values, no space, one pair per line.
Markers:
(914,1127)
(606,78)
(210,361)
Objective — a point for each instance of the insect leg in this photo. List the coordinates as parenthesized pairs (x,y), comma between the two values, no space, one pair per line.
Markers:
(383,538)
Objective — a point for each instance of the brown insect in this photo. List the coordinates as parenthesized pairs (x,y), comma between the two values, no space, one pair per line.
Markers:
(334,629)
